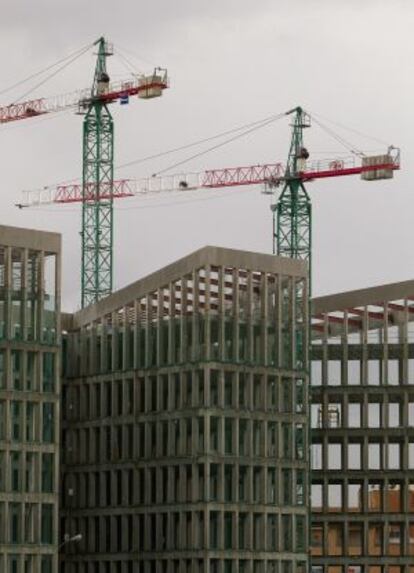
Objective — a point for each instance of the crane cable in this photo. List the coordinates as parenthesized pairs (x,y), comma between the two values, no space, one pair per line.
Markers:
(352,130)
(257,123)
(53,74)
(131,54)
(351,148)
(44,70)
(222,144)
(127,63)
(180,148)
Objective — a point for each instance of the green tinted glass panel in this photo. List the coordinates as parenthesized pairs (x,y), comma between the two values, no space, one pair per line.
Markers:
(47,523)
(48,422)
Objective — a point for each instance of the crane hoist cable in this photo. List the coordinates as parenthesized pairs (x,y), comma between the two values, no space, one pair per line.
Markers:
(53,74)
(179,148)
(196,143)
(221,144)
(128,64)
(133,55)
(44,70)
(351,129)
(342,141)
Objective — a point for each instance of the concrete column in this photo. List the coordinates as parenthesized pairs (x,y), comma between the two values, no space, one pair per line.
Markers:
(82,351)
(160,342)
(236,314)
(126,346)
(135,334)
(104,345)
(171,319)
(183,321)
(115,341)
(41,298)
(25,255)
(221,316)
(93,349)
(148,308)
(250,349)
(264,298)
(195,353)
(8,287)
(207,313)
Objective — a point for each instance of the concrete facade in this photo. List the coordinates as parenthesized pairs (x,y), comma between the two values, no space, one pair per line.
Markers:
(29,399)
(185,422)
(362,418)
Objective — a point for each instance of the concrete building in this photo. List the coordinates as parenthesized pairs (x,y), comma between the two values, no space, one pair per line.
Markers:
(362,417)
(29,407)
(185,423)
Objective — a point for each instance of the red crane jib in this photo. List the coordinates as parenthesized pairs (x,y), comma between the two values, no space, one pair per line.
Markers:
(41,106)
(232,176)
(275,172)
(23,110)
(76,192)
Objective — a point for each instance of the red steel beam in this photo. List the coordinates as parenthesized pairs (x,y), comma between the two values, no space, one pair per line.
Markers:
(400,307)
(235,176)
(41,106)
(370,313)
(339,319)
(74,193)
(23,110)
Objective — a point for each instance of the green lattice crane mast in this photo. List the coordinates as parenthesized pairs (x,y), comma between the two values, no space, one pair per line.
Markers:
(292,214)
(97,189)
(97,174)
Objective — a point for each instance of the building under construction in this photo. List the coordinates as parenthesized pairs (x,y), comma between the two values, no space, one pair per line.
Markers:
(186,441)
(185,434)
(29,400)
(363,431)
(185,420)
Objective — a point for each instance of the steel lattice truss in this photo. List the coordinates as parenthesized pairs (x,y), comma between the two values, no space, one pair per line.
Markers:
(97,213)
(293,222)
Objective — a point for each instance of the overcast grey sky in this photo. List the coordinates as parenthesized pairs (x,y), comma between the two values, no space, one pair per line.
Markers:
(230,62)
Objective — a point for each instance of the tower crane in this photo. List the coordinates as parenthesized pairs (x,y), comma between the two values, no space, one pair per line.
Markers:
(292,212)
(98,188)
